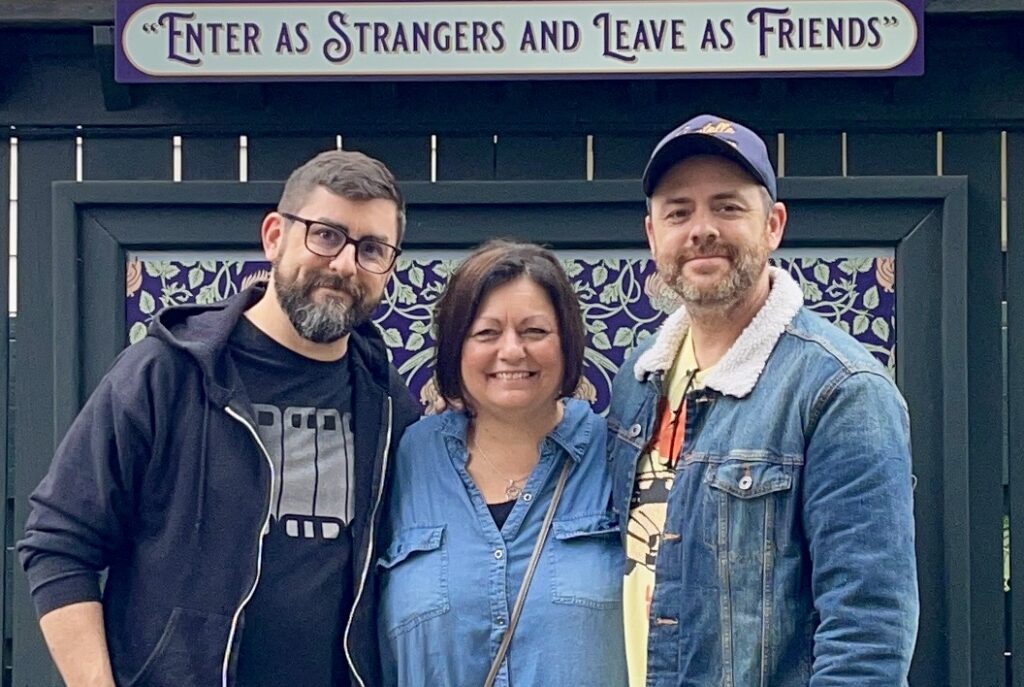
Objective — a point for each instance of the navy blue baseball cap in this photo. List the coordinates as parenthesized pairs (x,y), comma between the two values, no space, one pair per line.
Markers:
(711,135)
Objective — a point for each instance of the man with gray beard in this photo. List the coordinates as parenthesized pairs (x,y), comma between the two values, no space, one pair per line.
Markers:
(761,456)
(227,472)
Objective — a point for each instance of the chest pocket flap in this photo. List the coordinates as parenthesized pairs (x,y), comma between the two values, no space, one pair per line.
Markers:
(408,541)
(414,579)
(585,526)
(748,480)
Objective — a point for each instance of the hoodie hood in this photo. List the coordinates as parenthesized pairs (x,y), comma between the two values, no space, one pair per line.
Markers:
(202,331)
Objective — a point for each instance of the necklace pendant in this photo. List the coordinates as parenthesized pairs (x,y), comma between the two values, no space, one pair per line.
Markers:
(512,491)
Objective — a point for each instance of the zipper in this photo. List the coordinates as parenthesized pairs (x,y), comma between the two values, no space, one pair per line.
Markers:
(369,550)
(259,548)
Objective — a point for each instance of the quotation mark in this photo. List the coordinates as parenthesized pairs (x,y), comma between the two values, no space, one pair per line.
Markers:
(151,28)
(890,21)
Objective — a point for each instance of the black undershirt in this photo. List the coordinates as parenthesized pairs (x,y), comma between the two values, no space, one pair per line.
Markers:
(501,511)
(293,625)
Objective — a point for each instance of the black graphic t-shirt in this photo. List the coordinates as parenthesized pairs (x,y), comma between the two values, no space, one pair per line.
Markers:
(293,625)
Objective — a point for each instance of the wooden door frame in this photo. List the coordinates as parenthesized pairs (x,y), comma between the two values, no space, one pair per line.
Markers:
(923,219)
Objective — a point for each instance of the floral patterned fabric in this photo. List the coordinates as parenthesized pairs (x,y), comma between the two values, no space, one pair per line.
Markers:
(623,302)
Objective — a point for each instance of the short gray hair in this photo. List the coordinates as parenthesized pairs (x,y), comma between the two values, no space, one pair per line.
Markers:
(346,173)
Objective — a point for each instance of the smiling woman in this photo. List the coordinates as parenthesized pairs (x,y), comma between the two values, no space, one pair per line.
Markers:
(511,360)
(498,264)
(514,481)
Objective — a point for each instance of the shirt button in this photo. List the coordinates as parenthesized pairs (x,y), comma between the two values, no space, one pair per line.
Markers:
(746,482)
(527,497)
(635,430)
(499,554)
(500,620)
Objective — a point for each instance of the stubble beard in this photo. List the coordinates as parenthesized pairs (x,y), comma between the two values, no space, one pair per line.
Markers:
(745,266)
(330,320)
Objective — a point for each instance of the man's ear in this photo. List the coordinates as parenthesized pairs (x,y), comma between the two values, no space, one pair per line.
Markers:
(776,224)
(272,234)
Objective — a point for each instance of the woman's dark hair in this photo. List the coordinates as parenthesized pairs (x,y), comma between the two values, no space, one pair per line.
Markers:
(495,264)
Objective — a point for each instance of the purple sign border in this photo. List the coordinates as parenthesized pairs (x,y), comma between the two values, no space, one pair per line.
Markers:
(125,72)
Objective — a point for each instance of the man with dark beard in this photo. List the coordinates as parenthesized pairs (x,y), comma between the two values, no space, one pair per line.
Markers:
(761,455)
(227,472)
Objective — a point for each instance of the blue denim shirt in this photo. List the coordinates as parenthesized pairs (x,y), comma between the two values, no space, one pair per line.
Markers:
(449,576)
(794,565)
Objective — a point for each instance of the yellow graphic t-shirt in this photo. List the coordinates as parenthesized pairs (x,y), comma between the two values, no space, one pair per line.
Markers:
(654,475)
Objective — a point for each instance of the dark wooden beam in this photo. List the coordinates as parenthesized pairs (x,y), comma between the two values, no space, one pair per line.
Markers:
(50,13)
(116,96)
(70,13)
(982,7)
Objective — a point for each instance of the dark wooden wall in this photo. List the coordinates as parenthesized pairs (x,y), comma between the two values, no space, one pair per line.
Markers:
(950,120)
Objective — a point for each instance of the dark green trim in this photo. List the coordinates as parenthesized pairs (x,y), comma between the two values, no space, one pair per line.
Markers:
(6,460)
(55,13)
(1015,389)
(40,163)
(977,156)
(923,218)
(973,7)
(116,96)
(931,320)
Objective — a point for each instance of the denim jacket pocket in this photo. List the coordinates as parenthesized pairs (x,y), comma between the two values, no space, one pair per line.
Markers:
(587,563)
(749,507)
(414,578)
(743,504)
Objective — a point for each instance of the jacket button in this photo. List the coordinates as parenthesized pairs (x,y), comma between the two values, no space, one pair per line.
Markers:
(746,482)
(499,554)
(635,430)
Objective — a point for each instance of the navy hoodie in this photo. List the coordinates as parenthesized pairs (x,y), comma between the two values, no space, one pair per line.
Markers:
(161,481)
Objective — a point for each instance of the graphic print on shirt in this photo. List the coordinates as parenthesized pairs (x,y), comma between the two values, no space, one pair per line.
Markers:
(648,507)
(647,510)
(313,453)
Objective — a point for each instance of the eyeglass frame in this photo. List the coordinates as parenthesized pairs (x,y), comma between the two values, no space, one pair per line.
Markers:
(348,240)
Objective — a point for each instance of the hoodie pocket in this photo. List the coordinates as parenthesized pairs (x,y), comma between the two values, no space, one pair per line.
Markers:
(414,579)
(189,652)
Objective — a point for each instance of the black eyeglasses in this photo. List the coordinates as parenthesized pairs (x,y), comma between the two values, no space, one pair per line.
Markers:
(328,240)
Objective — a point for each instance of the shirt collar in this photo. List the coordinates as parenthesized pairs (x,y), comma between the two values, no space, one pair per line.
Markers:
(572,433)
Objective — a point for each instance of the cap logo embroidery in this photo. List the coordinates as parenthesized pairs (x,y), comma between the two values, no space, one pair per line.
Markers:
(718,128)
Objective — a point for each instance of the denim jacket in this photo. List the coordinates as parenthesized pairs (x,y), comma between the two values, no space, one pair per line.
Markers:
(791,561)
(449,576)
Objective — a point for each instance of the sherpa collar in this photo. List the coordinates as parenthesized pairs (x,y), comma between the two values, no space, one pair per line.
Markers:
(737,372)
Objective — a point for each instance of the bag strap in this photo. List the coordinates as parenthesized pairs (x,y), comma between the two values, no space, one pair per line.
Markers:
(517,609)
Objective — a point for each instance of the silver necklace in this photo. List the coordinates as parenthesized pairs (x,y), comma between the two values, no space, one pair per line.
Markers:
(513,488)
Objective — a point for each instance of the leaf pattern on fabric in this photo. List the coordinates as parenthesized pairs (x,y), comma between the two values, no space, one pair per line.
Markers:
(622,301)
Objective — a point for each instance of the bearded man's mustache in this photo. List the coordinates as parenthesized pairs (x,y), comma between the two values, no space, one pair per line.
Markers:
(335,284)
